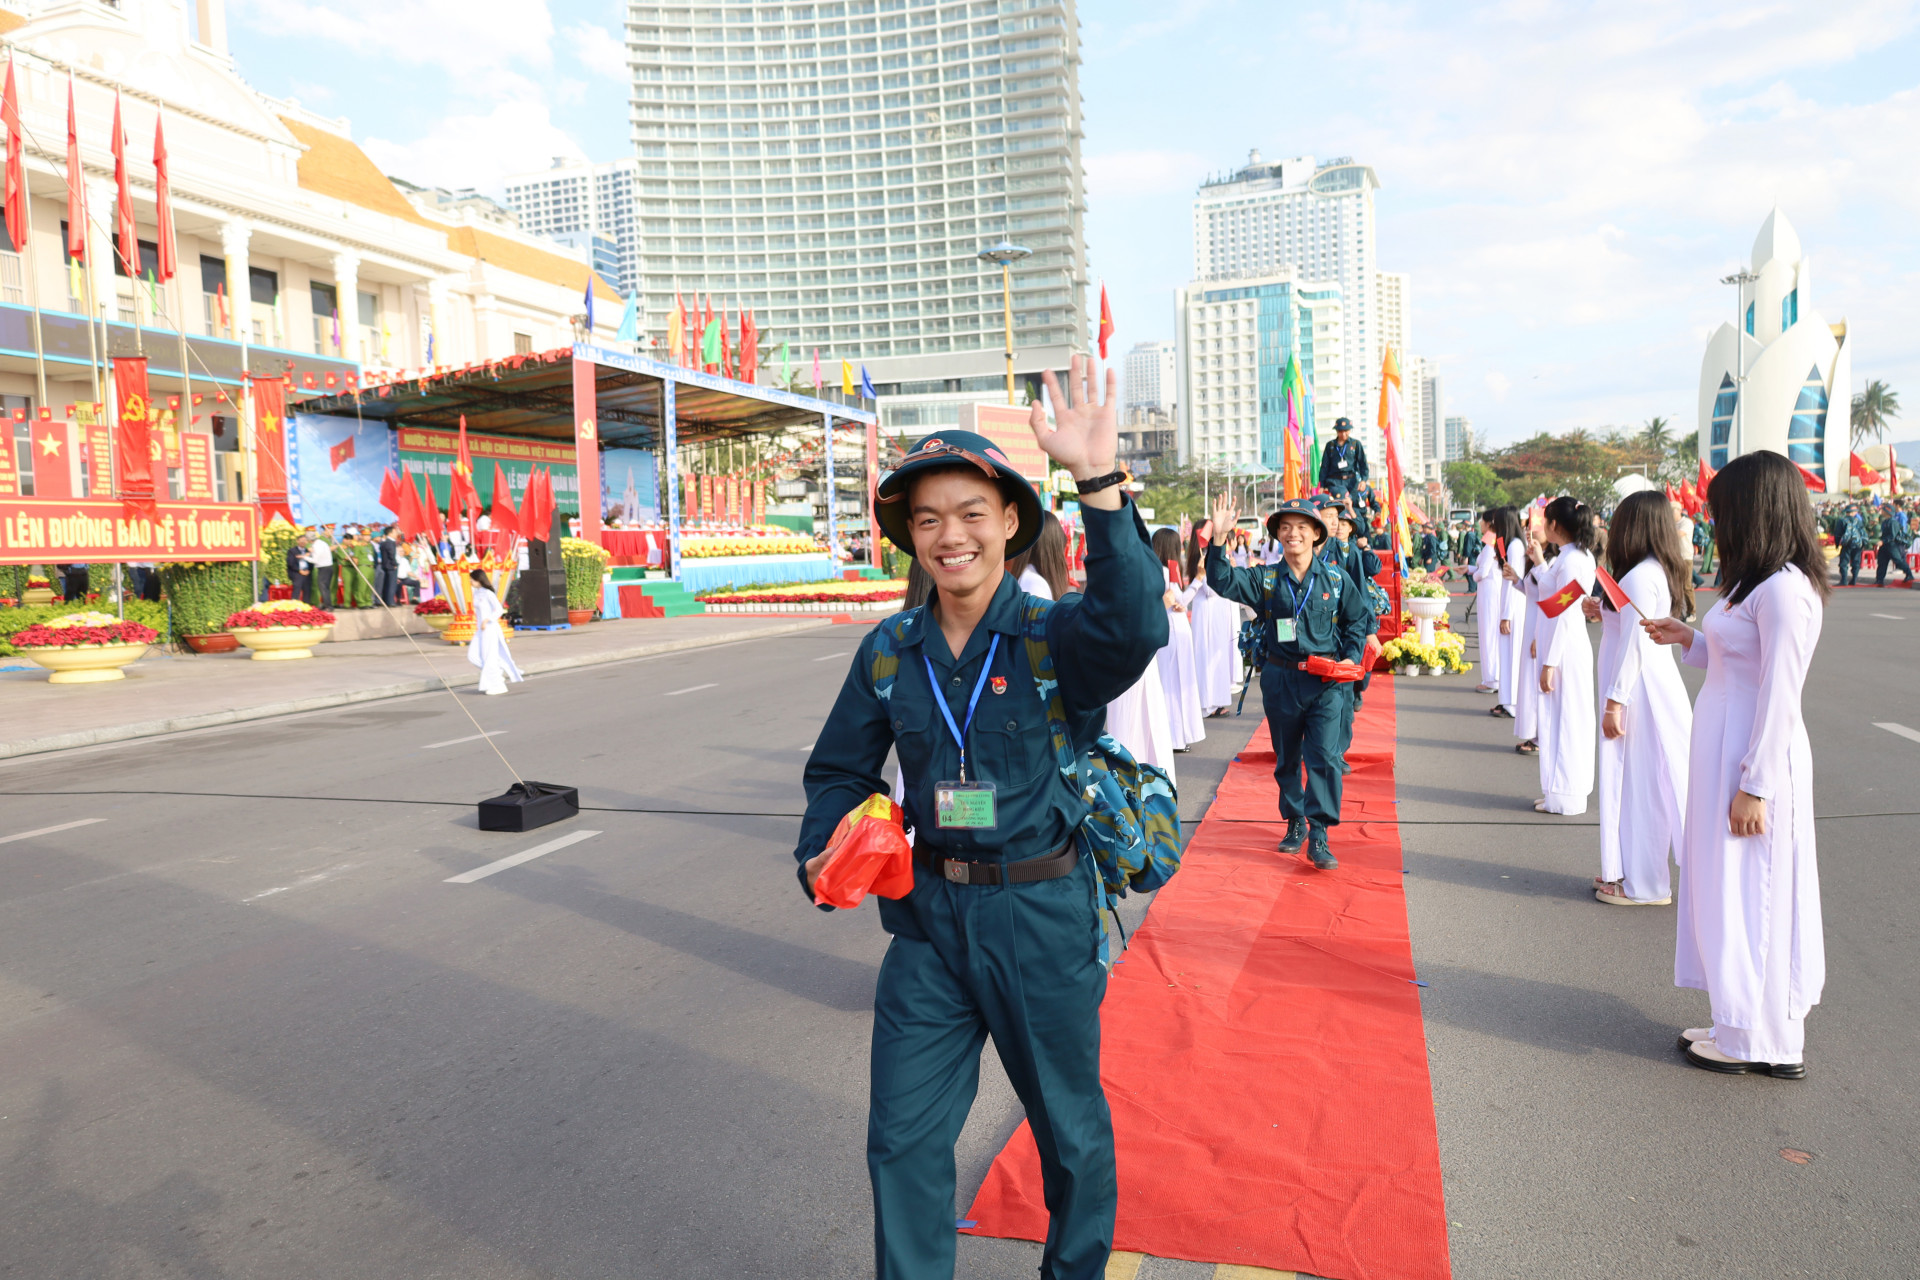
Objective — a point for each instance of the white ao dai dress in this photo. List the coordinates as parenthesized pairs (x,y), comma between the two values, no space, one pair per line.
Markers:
(1487,587)
(1526,706)
(488,648)
(1179,671)
(1749,914)
(1643,774)
(1566,716)
(1513,607)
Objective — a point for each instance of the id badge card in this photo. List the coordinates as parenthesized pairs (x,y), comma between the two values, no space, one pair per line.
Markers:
(965,806)
(1282,630)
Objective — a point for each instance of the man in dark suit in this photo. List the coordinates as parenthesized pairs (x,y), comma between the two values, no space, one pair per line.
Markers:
(386,567)
(297,568)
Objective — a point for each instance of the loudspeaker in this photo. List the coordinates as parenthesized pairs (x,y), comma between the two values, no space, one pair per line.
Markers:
(527,805)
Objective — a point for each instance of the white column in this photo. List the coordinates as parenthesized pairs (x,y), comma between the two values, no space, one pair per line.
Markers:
(346,288)
(234,237)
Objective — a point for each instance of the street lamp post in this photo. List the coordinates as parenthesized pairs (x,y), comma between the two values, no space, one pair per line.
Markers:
(1006,253)
(1740,279)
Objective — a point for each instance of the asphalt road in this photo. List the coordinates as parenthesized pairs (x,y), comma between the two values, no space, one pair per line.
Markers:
(258,1034)
(264,1037)
(1574,1140)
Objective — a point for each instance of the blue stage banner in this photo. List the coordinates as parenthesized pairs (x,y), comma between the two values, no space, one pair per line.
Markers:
(629,477)
(334,468)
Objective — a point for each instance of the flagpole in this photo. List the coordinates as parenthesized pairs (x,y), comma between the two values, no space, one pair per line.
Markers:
(33,293)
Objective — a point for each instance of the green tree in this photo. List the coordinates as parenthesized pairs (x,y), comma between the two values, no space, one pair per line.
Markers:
(1657,435)
(1873,411)
(1474,484)
(1173,491)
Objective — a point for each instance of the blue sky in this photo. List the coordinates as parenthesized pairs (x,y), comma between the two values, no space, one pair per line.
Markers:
(1566,182)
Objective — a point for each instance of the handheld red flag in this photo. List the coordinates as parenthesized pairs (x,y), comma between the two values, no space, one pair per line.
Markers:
(505,520)
(163,208)
(1106,320)
(1615,592)
(867,853)
(16,196)
(390,492)
(76,186)
(1562,600)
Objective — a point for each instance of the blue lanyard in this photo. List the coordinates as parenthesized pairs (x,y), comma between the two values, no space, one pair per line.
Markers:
(939,700)
(1298,599)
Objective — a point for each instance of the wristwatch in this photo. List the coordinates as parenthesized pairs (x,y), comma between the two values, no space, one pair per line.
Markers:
(1098,483)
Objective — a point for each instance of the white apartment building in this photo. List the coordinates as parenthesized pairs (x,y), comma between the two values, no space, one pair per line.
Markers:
(1459,438)
(1235,336)
(1316,219)
(838,167)
(1433,423)
(590,207)
(296,255)
(1148,373)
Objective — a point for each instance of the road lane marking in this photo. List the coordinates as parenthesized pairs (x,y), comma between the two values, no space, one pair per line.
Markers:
(828,657)
(695,689)
(514,860)
(301,883)
(472,737)
(1900,729)
(1890,617)
(47,831)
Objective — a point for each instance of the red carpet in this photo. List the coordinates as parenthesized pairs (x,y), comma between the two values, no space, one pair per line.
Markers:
(1263,1050)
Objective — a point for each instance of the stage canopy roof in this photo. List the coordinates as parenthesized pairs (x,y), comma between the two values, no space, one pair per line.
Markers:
(532,396)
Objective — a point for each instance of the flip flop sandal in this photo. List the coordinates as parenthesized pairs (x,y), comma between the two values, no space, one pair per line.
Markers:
(1528,748)
(1618,898)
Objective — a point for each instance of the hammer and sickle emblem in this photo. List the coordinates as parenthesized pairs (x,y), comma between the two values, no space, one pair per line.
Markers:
(586,429)
(136,408)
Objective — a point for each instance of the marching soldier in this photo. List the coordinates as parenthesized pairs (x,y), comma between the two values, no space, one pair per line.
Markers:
(1343,463)
(1306,607)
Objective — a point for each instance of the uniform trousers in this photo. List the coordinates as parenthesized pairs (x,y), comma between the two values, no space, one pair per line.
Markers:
(1849,565)
(1897,559)
(1310,722)
(1020,962)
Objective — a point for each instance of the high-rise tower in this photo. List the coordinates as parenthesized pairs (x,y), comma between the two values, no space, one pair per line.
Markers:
(838,166)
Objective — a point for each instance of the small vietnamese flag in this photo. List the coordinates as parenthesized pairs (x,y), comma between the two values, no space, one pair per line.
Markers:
(340,453)
(1562,600)
(1615,592)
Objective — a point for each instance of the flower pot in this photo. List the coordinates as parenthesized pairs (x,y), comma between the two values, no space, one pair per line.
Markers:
(438,621)
(218,642)
(85,663)
(37,595)
(1411,669)
(459,630)
(280,644)
(579,617)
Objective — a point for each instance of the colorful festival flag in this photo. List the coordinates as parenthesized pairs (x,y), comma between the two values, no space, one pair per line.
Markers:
(1106,320)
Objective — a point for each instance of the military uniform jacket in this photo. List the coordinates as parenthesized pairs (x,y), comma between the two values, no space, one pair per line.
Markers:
(1330,611)
(1101,643)
(1353,453)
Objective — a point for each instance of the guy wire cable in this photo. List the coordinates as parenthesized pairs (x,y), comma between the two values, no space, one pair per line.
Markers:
(154,297)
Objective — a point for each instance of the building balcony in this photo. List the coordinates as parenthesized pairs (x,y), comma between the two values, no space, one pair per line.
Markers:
(70,350)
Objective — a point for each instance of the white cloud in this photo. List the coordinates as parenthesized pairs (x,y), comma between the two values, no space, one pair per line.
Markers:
(1498,383)
(598,50)
(477,150)
(467,38)
(1141,173)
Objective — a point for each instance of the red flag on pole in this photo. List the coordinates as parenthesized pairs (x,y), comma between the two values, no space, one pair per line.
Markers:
(124,234)
(1614,591)
(530,527)
(546,508)
(76,186)
(133,439)
(1106,320)
(505,520)
(430,506)
(462,495)
(16,196)
(390,491)
(341,453)
(405,504)
(1705,481)
(1812,481)
(163,207)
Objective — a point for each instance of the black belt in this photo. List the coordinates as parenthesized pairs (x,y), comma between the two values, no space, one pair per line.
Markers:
(1052,866)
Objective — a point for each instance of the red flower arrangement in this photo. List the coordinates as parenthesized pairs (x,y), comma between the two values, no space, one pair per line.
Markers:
(42,636)
(433,605)
(255,620)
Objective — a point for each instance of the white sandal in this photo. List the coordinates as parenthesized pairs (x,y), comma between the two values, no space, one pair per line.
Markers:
(1618,897)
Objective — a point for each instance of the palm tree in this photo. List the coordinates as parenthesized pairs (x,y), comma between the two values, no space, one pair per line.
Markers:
(1873,410)
(1657,435)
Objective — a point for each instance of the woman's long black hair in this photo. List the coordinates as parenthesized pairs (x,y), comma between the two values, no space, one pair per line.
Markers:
(1763,522)
(1575,519)
(1166,547)
(1644,528)
(1506,525)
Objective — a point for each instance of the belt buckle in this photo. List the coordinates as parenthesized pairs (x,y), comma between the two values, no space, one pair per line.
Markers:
(956,871)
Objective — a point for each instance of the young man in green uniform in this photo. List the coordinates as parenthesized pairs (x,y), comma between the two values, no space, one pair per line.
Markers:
(1001,933)
(1343,550)
(1306,607)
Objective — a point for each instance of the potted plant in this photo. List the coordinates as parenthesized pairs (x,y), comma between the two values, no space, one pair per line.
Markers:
(84,648)
(586,564)
(39,590)
(435,612)
(204,596)
(280,630)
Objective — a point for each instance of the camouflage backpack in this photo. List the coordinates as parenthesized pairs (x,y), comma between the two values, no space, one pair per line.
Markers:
(1133,828)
